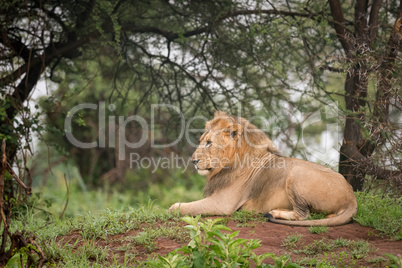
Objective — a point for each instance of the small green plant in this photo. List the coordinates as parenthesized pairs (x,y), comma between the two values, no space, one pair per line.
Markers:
(360,249)
(377,260)
(318,229)
(92,251)
(343,259)
(215,245)
(247,218)
(396,261)
(148,235)
(342,242)
(291,240)
(317,247)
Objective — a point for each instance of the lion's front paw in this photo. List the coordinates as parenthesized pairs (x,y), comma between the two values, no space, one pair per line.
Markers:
(174,207)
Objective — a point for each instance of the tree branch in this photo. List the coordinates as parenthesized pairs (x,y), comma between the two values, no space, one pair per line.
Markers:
(15,44)
(171,36)
(36,67)
(360,20)
(373,21)
(368,167)
(385,77)
(339,24)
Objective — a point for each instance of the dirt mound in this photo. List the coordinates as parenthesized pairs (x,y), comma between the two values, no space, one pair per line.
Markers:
(308,248)
(272,238)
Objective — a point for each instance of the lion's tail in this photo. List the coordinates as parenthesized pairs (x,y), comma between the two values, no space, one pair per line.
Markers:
(340,219)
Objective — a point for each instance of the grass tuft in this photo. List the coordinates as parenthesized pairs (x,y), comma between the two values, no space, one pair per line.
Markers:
(318,229)
(291,240)
(247,218)
(383,213)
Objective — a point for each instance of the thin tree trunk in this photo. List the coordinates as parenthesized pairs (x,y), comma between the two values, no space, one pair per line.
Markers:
(356,92)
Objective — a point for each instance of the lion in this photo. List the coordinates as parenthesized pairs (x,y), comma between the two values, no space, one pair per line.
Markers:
(245,171)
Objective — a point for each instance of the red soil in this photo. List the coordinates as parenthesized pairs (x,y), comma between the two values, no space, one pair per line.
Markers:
(271,236)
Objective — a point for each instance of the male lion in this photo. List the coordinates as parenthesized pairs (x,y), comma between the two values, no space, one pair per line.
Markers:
(245,171)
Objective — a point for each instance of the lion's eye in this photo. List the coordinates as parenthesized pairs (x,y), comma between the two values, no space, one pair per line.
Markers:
(208,143)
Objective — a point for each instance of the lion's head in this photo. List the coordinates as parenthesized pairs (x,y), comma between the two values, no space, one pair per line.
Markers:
(227,138)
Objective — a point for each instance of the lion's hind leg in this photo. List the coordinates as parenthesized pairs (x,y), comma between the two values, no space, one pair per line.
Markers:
(300,210)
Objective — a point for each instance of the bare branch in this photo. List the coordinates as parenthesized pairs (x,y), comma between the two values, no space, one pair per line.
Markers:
(385,76)
(368,167)
(332,69)
(67,197)
(20,182)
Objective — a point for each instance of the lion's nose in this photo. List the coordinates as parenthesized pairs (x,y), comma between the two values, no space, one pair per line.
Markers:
(195,161)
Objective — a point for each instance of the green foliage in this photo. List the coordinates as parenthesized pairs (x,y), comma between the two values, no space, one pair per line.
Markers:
(318,229)
(380,212)
(20,255)
(74,242)
(376,260)
(341,259)
(396,261)
(354,251)
(148,235)
(247,218)
(291,240)
(117,222)
(317,247)
(80,241)
(317,216)
(357,249)
(210,247)
(341,242)
(164,189)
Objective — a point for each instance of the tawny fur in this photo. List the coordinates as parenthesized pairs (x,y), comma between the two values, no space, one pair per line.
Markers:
(252,175)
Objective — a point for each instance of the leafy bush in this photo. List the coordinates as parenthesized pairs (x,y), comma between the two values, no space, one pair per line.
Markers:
(210,247)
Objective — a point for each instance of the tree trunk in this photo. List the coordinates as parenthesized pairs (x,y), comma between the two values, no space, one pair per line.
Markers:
(356,92)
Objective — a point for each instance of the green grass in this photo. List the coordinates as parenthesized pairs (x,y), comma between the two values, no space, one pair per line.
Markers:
(81,245)
(381,213)
(247,218)
(354,251)
(357,249)
(96,216)
(149,234)
(318,229)
(164,189)
(291,240)
(316,216)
